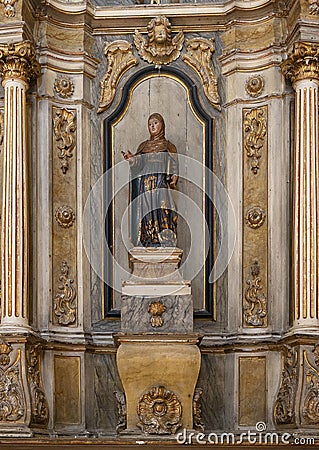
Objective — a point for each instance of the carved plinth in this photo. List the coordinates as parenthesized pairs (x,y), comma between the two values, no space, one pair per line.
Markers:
(159,375)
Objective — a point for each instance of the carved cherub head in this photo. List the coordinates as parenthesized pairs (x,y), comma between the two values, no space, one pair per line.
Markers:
(159,31)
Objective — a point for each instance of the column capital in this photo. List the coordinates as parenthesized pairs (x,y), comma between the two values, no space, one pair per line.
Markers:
(18,61)
(302,62)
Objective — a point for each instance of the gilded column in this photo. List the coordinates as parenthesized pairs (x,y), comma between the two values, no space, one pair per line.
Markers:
(302,68)
(17,67)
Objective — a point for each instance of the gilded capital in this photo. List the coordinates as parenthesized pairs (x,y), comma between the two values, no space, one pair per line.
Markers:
(302,63)
(18,61)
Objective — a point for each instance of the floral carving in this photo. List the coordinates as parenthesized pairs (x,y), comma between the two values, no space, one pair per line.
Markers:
(156,309)
(159,411)
(119,59)
(65,216)
(1,128)
(303,62)
(314,6)
(197,410)
(64,86)
(39,405)
(121,411)
(284,408)
(255,129)
(255,85)
(18,61)
(198,56)
(65,302)
(160,48)
(64,131)
(12,401)
(255,308)
(255,217)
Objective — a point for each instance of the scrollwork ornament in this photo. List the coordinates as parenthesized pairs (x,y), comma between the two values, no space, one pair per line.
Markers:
(65,302)
(64,86)
(310,410)
(255,130)
(255,217)
(284,408)
(12,401)
(156,309)
(39,404)
(19,61)
(198,56)
(255,305)
(302,63)
(64,131)
(255,85)
(160,47)
(120,58)
(159,411)
(65,216)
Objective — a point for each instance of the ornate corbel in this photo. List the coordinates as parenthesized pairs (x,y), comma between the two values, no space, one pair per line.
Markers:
(159,47)
(119,59)
(198,56)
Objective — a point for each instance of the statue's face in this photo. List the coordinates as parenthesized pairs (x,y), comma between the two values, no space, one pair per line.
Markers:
(154,126)
(160,33)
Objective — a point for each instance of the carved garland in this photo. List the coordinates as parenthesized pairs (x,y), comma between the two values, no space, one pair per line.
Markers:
(39,405)
(64,131)
(12,401)
(255,129)
(119,59)
(255,306)
(198,56)
(65,302)
(284,408)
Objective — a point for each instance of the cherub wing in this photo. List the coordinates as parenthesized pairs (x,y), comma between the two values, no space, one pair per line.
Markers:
(178,40)
(139,41)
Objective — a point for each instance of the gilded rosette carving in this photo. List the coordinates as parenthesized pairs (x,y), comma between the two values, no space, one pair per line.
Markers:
(65,301)
(255,85)
(302,63)
(255,129)
(65,216)
(156,309)
(159,47)
(120,58)
(255,217)
(12,399)
(198,56)
(39,404)
(159,411)
(197,410)
(255,306)
(1,128)
(64,123)
(121,411)
(19,61)
(63,86)
(284,408)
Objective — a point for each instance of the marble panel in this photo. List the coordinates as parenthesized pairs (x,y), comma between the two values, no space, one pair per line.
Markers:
(177,317)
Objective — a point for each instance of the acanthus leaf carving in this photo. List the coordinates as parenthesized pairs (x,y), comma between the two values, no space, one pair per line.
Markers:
(159,411)
(19,61)
(160,47)
(64,131)
(284,408)
(121,411)
(197,410)
(12,400)
(65,302)
(198,56)
(310,406)
(255,306)
(255,130)
(119,59)
(39,404)
(302,63)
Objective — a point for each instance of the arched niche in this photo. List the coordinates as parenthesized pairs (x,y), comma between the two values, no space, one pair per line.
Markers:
(190,128)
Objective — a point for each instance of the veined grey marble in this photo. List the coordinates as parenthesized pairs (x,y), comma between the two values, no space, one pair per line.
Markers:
(177,318)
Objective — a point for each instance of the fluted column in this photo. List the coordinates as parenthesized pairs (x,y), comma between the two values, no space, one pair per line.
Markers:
(17,67)
(302,68)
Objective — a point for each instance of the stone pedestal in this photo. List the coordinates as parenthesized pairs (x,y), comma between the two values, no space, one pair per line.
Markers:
(159,365)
